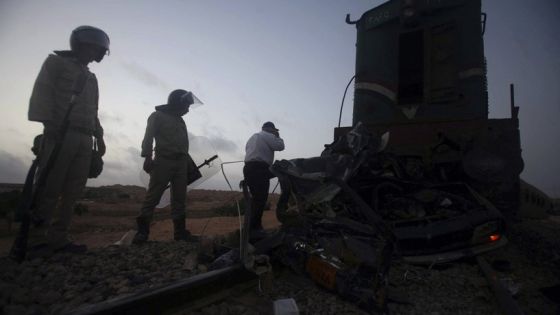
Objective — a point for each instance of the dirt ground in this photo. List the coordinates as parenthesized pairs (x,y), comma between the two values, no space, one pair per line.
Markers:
(108,218)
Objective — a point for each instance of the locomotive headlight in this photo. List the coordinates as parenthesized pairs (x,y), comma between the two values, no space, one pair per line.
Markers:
(408,12)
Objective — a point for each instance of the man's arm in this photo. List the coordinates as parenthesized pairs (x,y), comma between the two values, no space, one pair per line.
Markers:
(98,131)
(98,134)
(147,143)
(275,142)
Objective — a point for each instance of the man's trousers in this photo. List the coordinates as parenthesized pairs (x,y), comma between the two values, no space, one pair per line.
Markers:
(64,185)
(257,176)
(166,171)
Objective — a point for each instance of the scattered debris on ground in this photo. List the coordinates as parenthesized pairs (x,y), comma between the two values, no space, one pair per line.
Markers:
(64,282)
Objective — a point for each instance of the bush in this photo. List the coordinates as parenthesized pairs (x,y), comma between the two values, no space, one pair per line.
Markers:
(9,202)
(80,209)
(123,196)
(230,209)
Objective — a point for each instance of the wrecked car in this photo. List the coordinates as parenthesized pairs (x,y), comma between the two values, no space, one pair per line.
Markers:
(353,179)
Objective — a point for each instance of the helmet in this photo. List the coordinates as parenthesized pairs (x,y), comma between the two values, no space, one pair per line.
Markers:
(89,35)
(181,97)
(177,98)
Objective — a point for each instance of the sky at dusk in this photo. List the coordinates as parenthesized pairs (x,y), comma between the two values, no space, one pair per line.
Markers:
(251,61)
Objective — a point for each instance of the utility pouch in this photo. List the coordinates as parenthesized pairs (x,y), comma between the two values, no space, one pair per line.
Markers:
(193,173)
(96,165)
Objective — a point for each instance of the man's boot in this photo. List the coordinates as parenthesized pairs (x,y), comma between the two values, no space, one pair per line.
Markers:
(257,231)
(141,236)
(180,233)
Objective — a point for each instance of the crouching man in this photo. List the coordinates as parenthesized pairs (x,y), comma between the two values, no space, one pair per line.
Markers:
(170,165)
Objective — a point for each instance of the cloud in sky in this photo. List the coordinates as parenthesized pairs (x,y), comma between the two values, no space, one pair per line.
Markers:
(144,75)
(224,145)
(121,165)
(12,168)
(107,117)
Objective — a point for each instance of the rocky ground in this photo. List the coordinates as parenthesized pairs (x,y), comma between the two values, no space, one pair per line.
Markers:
(64,282)
(458,288)
(526,266)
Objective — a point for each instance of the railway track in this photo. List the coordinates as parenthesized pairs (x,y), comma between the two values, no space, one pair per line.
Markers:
(506,302)
(189,295)
(192,292)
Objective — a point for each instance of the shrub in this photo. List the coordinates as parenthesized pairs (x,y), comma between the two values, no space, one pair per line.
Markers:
(80,209)
(230,209)
(123,196)
(9,202)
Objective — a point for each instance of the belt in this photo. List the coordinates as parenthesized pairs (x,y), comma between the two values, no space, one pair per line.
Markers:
(172,156)
(257,162)
(82,130)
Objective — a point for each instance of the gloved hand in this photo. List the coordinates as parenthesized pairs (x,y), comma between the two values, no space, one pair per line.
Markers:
(276,133)
(148,164)
(101,146)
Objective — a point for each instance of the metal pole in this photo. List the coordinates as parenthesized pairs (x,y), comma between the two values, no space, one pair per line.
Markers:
(514,109)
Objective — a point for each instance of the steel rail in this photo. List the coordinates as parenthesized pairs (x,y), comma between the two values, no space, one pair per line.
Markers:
(506,302)
(170,297)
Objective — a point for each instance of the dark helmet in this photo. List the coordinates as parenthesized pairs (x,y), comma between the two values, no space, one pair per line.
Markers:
(179,101)
(89,35)
(177,98)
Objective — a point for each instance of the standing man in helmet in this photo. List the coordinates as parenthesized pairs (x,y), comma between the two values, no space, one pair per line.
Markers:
(170,164)
(259,155)
(64,79)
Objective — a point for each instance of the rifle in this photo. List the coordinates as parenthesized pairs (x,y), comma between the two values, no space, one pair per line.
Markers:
(194,172)
(207,162)
(32,192)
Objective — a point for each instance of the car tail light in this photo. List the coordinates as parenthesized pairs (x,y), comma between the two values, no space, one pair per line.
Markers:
(486,233)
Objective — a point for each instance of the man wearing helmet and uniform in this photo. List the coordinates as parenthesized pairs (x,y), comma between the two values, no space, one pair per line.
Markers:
(170,165)
(65,76)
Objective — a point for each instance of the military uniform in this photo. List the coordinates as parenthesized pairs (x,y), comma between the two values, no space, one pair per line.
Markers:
(170,163)
(49,103)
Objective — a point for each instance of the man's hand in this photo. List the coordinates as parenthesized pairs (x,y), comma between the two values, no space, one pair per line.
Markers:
(272,131)
(148,164)
(101,146)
